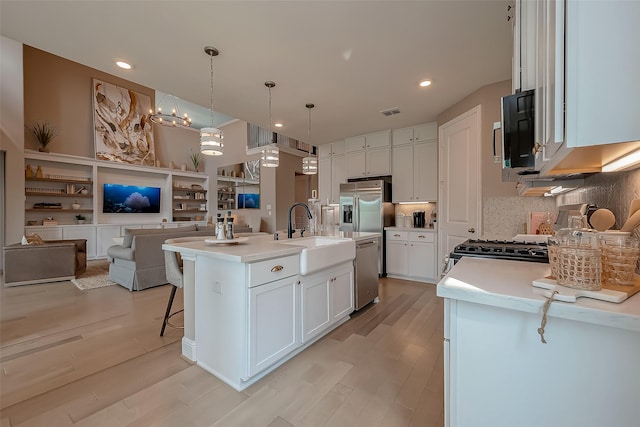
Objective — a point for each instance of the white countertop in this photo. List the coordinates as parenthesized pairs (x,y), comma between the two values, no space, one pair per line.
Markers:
(256,248)
(415,229)
(507,284)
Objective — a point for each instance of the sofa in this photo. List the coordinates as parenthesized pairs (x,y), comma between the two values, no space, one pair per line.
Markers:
(50,261)
(138,263)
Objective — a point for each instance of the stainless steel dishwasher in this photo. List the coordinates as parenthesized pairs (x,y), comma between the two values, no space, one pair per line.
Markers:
(366,272)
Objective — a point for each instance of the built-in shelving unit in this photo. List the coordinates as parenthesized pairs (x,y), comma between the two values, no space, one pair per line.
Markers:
(229,187)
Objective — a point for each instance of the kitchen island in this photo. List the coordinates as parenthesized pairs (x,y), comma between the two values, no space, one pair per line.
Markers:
(499,373)
(248,307)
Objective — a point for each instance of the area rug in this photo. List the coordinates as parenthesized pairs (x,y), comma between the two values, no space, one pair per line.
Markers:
(96,276)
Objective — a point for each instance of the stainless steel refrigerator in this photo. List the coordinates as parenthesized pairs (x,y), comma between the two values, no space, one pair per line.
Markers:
(366,206)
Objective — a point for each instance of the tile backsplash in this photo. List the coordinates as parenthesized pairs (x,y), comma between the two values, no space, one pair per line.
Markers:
(504,217)
(613,191)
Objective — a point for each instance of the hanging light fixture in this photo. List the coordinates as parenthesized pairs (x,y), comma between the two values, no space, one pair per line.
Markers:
(309,163)
(175,119)
(211,137)
(270,157)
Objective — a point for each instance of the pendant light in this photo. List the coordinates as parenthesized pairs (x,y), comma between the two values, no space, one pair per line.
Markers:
(309,163)
(211,137)
(270,153)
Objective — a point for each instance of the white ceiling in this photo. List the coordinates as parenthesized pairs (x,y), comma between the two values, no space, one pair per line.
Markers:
(350,58)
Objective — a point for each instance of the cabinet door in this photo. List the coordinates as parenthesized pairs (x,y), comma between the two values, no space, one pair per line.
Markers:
(354,144)
(105,235)
(378,139)
(402,136)
(83,232)
(272,322)
(324,150)
(341,293)
(425,172)
(315,307)
(425,132)
(378,162)
(422,260)
(338,176)
(356,164)
(402,171)
(324,179)
(396,257)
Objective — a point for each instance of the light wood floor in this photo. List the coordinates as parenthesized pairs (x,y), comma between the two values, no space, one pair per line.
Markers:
(94,358)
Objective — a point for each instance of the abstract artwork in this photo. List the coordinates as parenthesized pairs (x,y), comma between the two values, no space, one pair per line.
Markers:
(121,123)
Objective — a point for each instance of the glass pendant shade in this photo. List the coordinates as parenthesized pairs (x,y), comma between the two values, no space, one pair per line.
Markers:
(270,156)
(310,165)
(211,141)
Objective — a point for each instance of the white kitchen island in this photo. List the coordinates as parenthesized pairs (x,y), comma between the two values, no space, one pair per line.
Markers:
(499,373)
(248,309)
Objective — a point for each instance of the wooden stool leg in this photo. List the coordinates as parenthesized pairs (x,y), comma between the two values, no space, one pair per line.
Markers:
(166,315)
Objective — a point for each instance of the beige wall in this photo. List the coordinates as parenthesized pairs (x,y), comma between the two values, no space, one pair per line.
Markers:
(290,166)
(489,97)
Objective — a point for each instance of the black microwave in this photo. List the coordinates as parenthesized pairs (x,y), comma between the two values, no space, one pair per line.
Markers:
(518,130)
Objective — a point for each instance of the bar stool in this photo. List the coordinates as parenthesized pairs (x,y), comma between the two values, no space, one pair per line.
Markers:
(173,269)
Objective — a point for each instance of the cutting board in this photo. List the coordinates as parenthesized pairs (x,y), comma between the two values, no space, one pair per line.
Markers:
(609,293)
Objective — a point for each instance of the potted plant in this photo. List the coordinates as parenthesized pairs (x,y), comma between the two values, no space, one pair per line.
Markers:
(44,133)
(195,159)
(80,218)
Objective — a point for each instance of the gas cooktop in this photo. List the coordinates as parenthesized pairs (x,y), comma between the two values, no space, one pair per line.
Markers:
(502,249)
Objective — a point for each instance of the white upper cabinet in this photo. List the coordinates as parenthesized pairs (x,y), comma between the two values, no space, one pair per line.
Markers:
(368,155)
(586,80)
(424,132)
(332,171)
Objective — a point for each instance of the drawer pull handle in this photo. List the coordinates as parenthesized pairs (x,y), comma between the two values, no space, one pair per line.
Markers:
(277,268)
(422,236)
(396,235)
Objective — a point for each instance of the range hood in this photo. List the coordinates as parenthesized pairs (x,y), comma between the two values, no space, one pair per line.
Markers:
(551,186)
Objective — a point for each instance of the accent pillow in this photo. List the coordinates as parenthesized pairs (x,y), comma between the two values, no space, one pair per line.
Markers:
(34,239)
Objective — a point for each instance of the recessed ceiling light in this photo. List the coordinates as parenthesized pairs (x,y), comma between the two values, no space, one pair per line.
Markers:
(425,83)
(278,125)
(124,65)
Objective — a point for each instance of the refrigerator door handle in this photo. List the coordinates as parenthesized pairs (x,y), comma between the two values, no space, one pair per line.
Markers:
(356,215)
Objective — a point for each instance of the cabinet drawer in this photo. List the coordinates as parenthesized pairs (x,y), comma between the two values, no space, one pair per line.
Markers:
(273,269)
(422,237)
(396,235)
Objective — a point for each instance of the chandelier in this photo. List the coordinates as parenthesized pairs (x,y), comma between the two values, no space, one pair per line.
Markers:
(309,163)
(270,157)
(211,137)
(175,119)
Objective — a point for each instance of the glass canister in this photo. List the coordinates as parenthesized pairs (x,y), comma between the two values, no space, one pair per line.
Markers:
(574,256)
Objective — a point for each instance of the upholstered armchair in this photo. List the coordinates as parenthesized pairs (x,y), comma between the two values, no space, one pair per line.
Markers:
(51,261)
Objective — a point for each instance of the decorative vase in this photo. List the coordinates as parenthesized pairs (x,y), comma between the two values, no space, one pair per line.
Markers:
(75,205)
(80,221)
(28,172)
(183,167)
(39,172)
(43,150)
(172,165)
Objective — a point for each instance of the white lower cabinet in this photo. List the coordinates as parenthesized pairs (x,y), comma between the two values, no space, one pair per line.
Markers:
(315,305)
(272,323)
(252,317)
(105,235)
(412,255)
(82,232)
(326,298)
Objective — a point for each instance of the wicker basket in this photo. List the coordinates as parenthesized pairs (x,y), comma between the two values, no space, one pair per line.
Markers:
(576,267)
(619,262)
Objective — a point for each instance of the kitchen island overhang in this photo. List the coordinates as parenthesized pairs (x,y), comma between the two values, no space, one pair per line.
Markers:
(497,370)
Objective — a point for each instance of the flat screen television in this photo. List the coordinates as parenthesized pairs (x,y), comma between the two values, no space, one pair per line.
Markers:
(118,198)
(248,201)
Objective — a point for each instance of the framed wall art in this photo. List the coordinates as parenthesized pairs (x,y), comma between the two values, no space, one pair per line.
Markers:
(122,129)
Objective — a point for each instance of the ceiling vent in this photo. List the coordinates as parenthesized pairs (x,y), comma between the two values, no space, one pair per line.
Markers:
(390,111)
